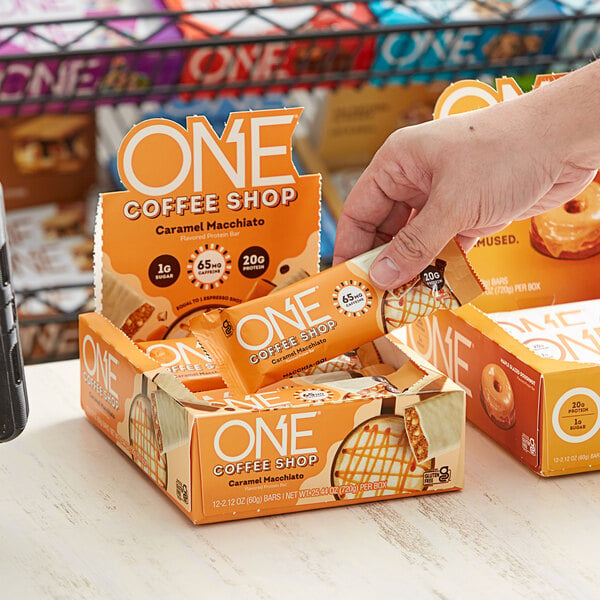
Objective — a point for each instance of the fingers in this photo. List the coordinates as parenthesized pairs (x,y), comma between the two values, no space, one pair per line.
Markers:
(379,204)
(467,241)
(560,193)
(413,248)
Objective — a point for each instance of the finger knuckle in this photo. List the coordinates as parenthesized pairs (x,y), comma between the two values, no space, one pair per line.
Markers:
(410,245)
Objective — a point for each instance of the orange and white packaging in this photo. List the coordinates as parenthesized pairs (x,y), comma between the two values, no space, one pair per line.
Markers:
(543,260)
(334,435)
(544,411)
(317,318)
(555,317)
(563,331)
(192,365)
(187,360)
(341,386)
(365,356)
(219,458)
(526,352)
(205,221)
(579,345)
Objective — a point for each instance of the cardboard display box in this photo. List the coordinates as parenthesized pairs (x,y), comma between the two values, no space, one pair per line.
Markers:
(219,458)
(544,410)
(340,439)
(46,159)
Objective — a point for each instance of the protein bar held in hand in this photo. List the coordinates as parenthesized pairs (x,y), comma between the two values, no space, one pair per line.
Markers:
(293,329)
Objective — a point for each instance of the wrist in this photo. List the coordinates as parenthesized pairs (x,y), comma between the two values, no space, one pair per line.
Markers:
(566,117)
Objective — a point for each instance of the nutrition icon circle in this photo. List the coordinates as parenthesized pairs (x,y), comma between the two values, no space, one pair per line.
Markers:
(352,298)
(209,266)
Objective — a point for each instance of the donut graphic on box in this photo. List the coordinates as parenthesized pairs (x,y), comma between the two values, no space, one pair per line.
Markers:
(570,231)
(497,397)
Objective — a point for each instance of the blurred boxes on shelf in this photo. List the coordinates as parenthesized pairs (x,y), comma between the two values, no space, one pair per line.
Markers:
(579,36)
(353,125)
(259,61)
(48,170)
(46,159)
(471,45)
(81,26)
(52,260)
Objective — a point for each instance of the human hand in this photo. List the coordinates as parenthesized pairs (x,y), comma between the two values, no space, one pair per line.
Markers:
(468,176)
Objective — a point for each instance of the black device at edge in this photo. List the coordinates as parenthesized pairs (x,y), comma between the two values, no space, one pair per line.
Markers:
(14,408)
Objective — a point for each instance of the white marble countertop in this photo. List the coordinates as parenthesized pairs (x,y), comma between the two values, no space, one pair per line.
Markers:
(79,520)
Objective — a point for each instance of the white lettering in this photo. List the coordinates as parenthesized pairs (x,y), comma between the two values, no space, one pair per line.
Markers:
(165,128)
(258,151)
(298,316)
(202,134)
(284,437)
(100,365)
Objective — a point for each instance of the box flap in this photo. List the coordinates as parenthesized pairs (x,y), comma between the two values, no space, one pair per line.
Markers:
(482,322)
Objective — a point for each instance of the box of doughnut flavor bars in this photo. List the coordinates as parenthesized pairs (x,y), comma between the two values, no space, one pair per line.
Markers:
(527,351)
(241,380)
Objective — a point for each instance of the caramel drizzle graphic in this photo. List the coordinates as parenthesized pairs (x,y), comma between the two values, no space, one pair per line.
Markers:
(143,442)
(334,365)
(374,392)
(372,445)
(415,302)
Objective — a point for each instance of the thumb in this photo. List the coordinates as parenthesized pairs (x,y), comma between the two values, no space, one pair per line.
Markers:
(412,249)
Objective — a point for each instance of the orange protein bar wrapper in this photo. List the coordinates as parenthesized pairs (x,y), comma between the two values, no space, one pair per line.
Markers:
(187,360)
(294,329)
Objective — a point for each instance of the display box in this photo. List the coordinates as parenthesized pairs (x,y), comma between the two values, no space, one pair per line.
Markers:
(220,458)
(254,60)
(47,159)
(222,236)
(543,410)
(214,220)
(532,375)
(32,67)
